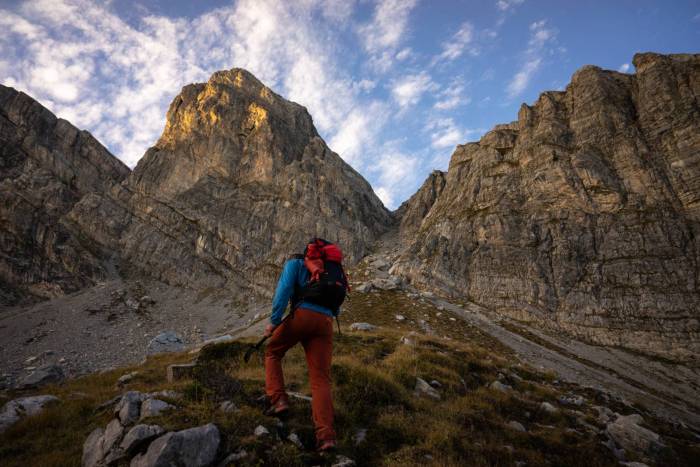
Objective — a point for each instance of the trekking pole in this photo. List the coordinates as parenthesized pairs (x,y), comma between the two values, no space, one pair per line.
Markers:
(249,353)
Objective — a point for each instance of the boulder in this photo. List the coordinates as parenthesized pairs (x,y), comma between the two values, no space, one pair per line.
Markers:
(194,447)
(164,342)
(153,408)
(517,426)
(92,449)
(43,375)
(139,436)
(112,435)
(261,431)
(498,386)
(548,408)
(129,407)
(422,388)
(15,409)
(627,432)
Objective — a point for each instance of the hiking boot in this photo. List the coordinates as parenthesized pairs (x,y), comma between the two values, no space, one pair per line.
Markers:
(327,445)
(279,409)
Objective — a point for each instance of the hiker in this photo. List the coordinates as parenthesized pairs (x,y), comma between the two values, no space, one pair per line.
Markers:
(315,284)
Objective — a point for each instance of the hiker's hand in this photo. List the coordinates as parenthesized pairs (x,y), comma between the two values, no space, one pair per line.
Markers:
(269,329)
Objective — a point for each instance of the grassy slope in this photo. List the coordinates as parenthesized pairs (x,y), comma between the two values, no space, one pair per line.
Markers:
(374,376)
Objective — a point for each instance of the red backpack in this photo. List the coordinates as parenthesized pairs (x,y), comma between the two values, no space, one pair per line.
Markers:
(328,284)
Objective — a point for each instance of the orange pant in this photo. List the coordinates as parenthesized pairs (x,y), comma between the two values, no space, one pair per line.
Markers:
(315,332)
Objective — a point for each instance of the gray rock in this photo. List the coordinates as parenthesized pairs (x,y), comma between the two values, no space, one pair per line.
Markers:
(232,458)
(195,447)
(139,436)
(517,426)
(124,379)
(261,431)
(571,400)
(15,409)
(360,436)
(294,439)
(498,386)
(362,327)
(228,407)
(627,432)
(400,317)
(43,375)
(92,449)
(380,263)
(167,341)
(363,288)
(422,388)
(153,408)
(548,408)
(129,407)
(112,435)
(343,461)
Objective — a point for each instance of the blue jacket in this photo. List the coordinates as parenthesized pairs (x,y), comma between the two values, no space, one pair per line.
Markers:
(294,272)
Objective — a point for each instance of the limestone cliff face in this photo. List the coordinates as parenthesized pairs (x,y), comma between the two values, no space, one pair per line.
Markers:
(238,180)
(46,166)
(584,215)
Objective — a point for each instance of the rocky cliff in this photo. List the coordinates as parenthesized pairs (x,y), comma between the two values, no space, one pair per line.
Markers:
(238,180)
(46,166)
(582,216)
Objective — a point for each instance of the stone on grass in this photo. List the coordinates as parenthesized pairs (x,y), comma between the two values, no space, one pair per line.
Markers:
(129,407)
(571,400)
(180,371)
(228,407)
(517,426)
(194,447)
(139,436)
(360,436)
(124,379)
(548,408)
(294,439)
(46,374)
(422,388)
(112,435)
(498,386)
(153,408)
(167,341)
(400,317)
(363,288)
(261,431)
(24,406)
(342,461)
(92,448)
(627,432)
(362,327)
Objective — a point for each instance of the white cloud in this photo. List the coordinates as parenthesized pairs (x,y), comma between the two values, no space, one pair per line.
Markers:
(462,41)
(451,97)
(540,36)
(384,34)
(396,172)
(444,133)
(407,91)
(117,79)
(624,68)
(505,5)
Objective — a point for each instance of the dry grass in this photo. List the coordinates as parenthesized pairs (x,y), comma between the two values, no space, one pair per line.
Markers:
(374,375)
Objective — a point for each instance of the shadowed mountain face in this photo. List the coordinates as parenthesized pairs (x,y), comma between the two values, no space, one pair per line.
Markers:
(238,181)
(583,215)
(46,166)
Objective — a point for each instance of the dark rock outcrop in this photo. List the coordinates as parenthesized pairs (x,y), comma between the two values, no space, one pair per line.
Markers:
(46,166)
(582,216)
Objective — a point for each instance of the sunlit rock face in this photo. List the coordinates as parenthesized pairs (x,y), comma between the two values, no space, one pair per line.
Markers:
(46,166)
(238,181)
(583,215)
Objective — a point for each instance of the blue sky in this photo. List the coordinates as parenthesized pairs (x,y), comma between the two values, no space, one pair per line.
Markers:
(392,85)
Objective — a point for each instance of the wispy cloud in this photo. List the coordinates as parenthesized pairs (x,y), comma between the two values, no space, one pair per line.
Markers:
(624,68)
(384,34)
(397,173)
(407,91)
(505,5)
(540,36)
(462,41)
(452,96)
